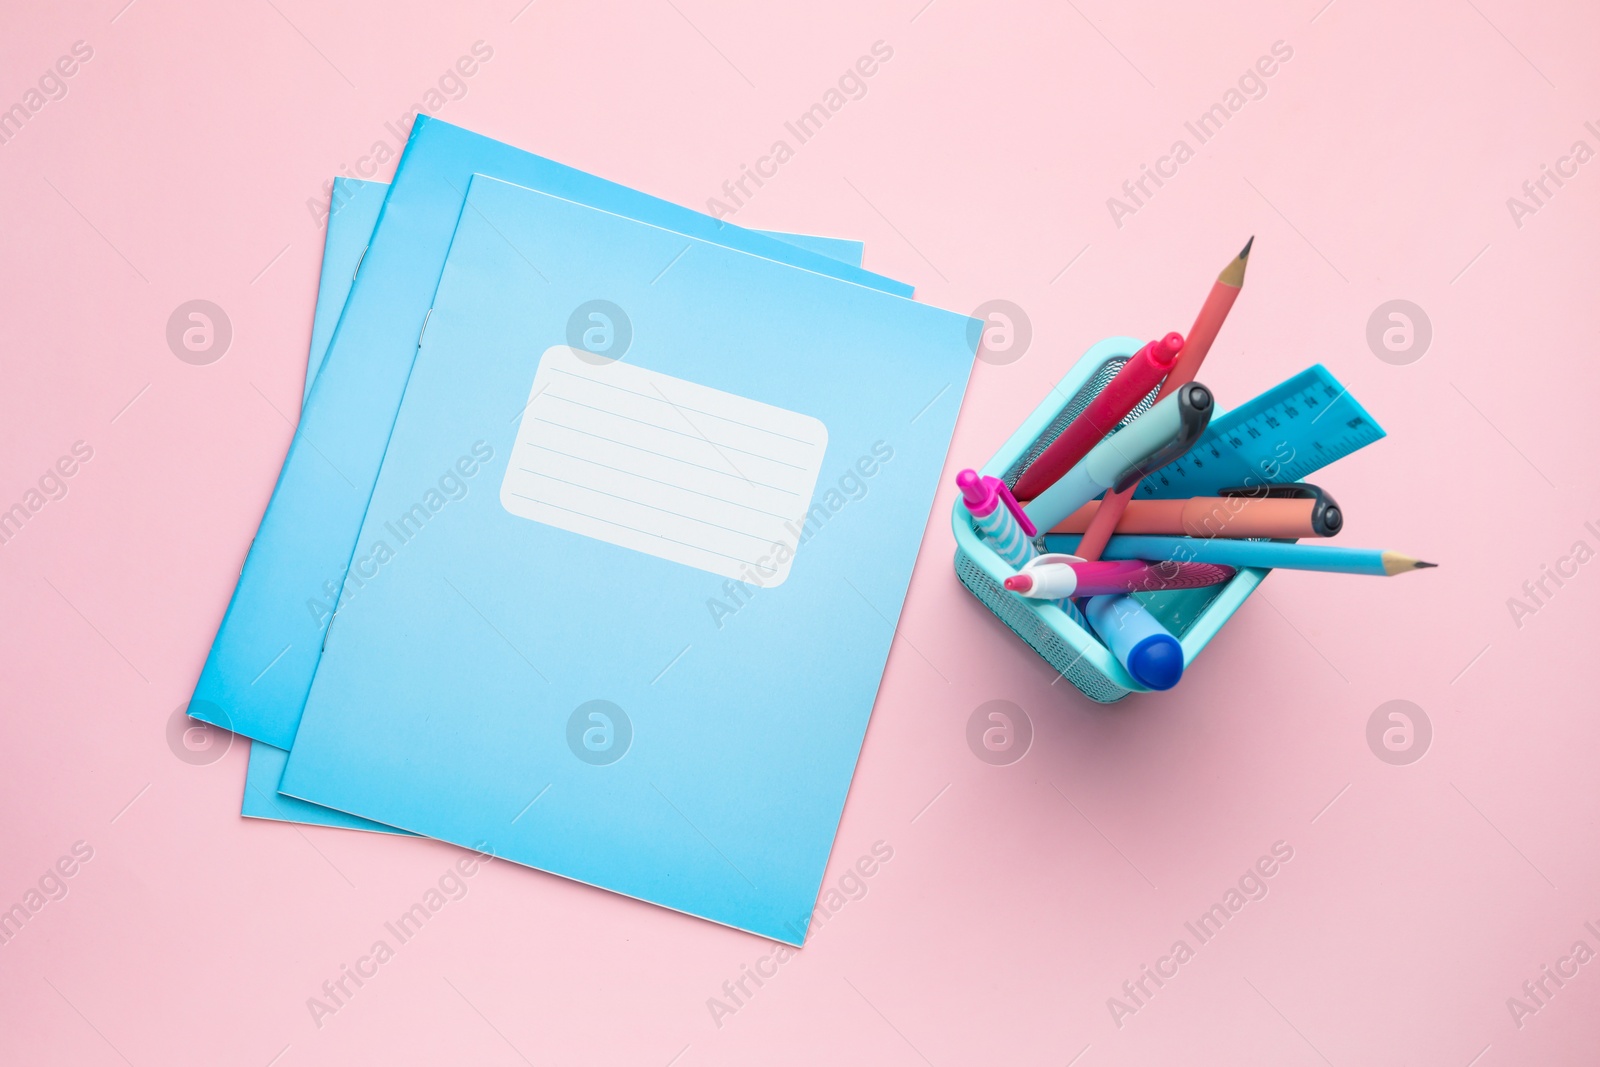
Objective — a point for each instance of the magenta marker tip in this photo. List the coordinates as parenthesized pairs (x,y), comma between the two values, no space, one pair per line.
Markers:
(1167,349)
(1019,583)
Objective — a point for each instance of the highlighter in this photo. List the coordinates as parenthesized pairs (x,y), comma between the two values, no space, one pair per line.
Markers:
(1148,443)
(1275,511)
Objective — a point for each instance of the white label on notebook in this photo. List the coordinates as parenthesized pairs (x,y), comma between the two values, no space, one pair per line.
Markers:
(664,466)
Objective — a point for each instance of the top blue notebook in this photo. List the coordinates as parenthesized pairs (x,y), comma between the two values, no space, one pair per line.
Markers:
(629,578)
(266,650)
(351,218)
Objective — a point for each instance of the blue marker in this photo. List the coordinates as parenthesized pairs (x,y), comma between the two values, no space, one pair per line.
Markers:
(1140,643)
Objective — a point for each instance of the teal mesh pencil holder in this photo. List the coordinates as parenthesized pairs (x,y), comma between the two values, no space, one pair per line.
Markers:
(1193,616)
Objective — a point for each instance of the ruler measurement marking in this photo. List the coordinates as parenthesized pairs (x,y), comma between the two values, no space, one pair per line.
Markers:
(1274,419)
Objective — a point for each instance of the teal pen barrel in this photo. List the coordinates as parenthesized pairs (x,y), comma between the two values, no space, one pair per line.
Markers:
(1069,493)
(1173,424)
(1005,536)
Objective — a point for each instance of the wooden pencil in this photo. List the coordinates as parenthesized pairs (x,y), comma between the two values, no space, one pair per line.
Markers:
(1213,313)
(1287,555)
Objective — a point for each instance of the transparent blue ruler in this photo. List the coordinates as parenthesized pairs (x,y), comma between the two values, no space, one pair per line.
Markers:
(1298,426)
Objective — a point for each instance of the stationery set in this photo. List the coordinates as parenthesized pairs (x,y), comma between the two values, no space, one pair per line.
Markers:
(590,545)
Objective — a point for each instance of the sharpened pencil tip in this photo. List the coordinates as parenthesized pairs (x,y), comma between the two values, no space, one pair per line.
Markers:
(1233,274)
(1419,564)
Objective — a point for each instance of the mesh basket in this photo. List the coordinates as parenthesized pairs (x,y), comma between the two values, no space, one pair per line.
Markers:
(1193,616)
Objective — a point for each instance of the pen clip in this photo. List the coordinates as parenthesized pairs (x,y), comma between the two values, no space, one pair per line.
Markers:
(1327,518)
(1276,491)
(1047,559)
(1028,528)
(1195,406)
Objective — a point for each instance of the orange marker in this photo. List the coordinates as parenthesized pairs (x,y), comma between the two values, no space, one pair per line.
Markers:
(1204,331)
(1264,511)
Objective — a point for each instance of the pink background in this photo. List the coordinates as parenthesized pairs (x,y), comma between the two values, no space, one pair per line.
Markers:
(1019,898)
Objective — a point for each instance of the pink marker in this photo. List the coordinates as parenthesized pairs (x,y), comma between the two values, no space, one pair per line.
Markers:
(1142,373)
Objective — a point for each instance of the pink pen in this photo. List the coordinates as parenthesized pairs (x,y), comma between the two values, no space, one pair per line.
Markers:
(998,517)
(1133,383)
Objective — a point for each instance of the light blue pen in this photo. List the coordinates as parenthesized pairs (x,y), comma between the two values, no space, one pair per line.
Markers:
(1004,525)
(1148,443)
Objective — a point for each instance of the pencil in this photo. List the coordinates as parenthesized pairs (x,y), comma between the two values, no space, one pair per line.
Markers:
(1213,313)
(1289,556)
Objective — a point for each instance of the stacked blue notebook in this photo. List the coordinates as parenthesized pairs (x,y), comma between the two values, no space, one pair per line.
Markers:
(590,545)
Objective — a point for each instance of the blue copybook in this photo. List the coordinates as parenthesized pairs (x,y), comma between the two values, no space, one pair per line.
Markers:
(353,214)
(624,619)
(351,218)
(260,666)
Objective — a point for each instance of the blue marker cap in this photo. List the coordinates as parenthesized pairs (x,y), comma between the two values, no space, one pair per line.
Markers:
(1157,661)
(1141,644)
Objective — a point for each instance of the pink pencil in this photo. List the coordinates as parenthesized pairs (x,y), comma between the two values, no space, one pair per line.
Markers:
(1121,395)
(1213,313)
